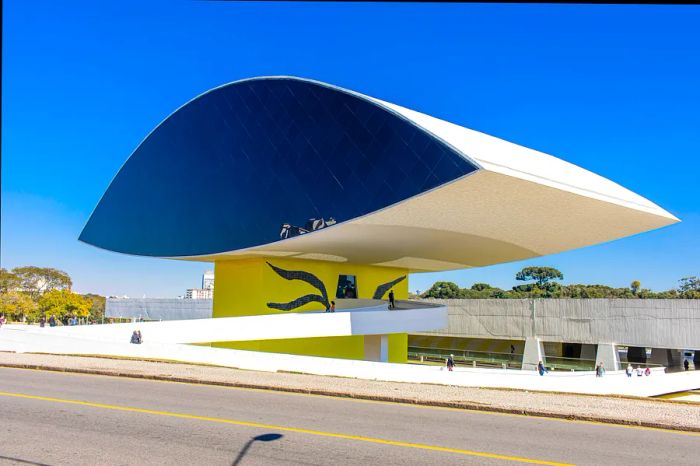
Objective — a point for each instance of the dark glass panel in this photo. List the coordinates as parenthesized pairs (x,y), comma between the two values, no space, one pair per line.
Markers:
(227,170)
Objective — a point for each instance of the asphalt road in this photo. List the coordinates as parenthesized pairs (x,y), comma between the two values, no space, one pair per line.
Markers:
(58,418)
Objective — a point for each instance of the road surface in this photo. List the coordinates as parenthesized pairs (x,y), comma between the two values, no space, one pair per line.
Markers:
(61,418)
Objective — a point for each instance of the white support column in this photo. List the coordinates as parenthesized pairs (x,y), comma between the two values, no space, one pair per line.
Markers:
(533,354)
(608,355)
(377,348)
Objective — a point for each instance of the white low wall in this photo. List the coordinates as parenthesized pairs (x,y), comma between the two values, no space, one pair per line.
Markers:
(360,321)
(20,339)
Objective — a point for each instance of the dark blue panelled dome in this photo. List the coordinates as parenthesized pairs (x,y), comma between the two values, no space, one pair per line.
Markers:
(229,168)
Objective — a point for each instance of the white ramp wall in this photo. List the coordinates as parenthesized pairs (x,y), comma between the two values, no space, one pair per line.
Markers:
(362,321)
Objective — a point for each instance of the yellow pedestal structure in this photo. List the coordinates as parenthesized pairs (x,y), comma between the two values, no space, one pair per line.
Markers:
(257,286)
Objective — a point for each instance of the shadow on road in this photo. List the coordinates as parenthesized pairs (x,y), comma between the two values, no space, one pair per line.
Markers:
(17,460)
(249,443)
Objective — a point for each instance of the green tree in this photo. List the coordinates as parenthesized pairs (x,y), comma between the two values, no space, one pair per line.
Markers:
(97,310)
(481,286)
(635,286)
(689,284)
(8,281)
(541,275)
(443,290)
(17,306)
(38,280)
(64,303)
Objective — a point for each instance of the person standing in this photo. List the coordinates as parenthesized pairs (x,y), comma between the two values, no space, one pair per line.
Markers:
(392,303)
(540,368)
(686,365)
(599,370)
(332,306)
(42,321)
(52,320)
(450,362)
(629,370)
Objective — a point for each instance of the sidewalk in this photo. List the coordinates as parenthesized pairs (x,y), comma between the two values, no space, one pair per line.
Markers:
(618,410)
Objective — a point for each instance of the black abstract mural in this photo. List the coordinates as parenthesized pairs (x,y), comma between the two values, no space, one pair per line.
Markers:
(307,277)
(382,289)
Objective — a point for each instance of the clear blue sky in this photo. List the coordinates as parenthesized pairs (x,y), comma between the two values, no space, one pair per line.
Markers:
(614,89)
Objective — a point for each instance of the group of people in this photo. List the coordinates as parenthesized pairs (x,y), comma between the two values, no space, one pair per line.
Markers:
(53,321)
(640,372)
(599,370)
(136,337)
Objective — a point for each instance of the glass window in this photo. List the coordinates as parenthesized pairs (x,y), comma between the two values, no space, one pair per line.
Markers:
(264,153)
(347,287)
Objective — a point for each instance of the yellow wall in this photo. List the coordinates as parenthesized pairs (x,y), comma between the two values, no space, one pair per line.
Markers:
(244,287)
(330,347)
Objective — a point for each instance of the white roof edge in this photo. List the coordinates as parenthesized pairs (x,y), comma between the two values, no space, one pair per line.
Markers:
(500,156)
(507,158)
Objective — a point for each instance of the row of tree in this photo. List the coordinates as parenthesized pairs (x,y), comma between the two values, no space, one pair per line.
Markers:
(543,286)
(27,293)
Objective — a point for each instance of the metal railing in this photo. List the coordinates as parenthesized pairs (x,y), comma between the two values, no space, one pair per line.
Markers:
(465,357)
(437,356)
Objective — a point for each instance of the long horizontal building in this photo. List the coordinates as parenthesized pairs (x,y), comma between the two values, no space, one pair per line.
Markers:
(566,330)
(318,194)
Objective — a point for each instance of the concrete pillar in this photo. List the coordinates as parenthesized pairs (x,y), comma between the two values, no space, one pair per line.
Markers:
(664,356)
(377,348)
(533,354)
(588,352)
(608,355)
(637,354)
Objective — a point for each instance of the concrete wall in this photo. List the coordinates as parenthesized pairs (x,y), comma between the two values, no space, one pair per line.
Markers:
(658,323)
(159,308)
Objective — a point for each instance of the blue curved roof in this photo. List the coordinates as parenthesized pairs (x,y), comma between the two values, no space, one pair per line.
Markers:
(227,169)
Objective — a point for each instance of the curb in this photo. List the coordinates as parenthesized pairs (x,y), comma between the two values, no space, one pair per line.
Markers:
(470,406)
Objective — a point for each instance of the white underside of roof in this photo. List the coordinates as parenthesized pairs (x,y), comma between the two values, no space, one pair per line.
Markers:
(481,219)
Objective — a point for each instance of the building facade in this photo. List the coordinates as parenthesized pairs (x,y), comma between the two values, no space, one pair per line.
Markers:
(208,280)
(321,194)
(588,329)
(199,293)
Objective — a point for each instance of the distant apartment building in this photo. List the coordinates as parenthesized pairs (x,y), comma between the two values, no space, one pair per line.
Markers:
(207,289)
(199,293)
(208,280)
